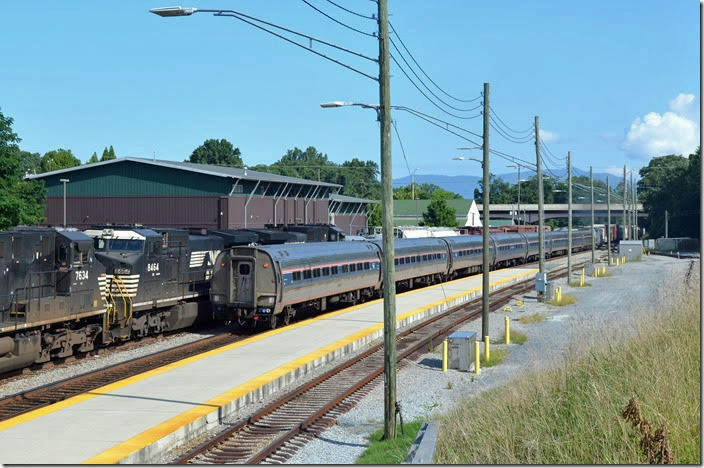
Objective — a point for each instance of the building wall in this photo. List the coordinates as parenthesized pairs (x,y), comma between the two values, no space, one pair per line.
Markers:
(349,223)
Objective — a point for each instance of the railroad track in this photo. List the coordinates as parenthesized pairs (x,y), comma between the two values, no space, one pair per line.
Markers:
(274,433)
(15,405)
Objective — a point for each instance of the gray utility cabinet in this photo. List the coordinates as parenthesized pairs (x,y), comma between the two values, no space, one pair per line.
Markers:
(461,349)
(632,250)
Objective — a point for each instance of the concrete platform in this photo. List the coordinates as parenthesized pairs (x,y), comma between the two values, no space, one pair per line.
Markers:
(133,420)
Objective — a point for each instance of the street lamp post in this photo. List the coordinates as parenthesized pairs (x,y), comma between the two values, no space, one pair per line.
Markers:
(413,191)
(518,167)
(569,217)
(64,181)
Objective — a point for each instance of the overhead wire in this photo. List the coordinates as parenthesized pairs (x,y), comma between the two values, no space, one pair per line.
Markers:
(460,109)
(403,150)
(350,11)
(414,111)
(428,98)
(506,136)
(511,130)
(338,21)
(245,18)
(423,71)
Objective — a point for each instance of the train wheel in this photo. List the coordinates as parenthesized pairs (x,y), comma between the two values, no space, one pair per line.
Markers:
(287,319)
(273,321)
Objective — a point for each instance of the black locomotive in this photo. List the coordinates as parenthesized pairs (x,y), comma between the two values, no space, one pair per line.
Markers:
(64,291)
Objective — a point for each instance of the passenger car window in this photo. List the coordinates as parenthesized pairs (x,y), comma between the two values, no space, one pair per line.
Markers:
(366,265)
(306,274)
(333,270)
(326,271)
(316,273)
(296,276)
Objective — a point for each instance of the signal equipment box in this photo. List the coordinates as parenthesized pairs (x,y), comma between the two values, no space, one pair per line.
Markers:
(461,346)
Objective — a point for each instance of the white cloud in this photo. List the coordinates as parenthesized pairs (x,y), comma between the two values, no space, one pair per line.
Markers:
(549,136)
(669,133)
(682,104)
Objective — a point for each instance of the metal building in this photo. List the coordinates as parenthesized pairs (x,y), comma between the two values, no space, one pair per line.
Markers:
(179,194)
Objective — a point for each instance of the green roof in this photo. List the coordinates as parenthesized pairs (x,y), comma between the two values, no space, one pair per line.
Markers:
(408,207)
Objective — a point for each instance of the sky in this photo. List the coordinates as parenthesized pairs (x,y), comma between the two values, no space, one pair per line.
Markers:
(614,82)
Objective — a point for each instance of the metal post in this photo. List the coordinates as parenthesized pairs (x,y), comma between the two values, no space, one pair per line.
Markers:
(667,235)
(625,194)
(635,208)
(569,217)
(64,182)
(591,182)
(633,205)
(387,225)
(541,214)
(487,216)
(608,222)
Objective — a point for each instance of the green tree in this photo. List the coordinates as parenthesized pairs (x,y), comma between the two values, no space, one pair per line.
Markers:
(58,159)
(108,154)
(217,152)
(93,158)
(500,192)
(31,162)
(671,183)
(21,201)
(374,214)
(424,192)
(440,214)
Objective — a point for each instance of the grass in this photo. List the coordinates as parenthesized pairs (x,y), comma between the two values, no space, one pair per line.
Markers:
(574,414)
(575,284)
(532,318)
(516,338)
(393,451)
(566,299)
(496,356)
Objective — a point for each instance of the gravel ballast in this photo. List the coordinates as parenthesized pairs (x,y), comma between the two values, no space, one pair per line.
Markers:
(424,391)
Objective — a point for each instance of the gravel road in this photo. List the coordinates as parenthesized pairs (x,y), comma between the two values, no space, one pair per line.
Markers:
(424,391)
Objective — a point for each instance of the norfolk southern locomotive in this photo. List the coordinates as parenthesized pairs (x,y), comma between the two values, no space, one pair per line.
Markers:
(271,283)
(64,291)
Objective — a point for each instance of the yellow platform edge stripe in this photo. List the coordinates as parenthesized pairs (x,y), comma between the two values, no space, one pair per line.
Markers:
(154,434)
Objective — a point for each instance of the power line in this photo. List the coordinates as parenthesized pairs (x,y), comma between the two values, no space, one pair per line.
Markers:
(506,136)
(338,21)
(426,86)
(545,147)
(403,151)
(423,71)
(429,99)
(413,111)
(245,18)
(350,11)
(514,159)
(510,130)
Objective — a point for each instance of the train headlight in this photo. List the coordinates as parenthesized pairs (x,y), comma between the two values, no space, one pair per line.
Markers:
(271,300)
(216,298)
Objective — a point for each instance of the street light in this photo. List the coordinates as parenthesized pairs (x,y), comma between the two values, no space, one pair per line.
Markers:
(518,179)
(173,11)
(64,181)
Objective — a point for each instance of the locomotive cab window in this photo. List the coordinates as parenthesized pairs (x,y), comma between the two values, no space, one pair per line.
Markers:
(63,254)
(244,269)
(296,276)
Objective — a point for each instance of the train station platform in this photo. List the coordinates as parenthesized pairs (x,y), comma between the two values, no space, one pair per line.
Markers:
(136,419)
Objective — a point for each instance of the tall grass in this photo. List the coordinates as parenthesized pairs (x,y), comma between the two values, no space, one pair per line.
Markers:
(573,414)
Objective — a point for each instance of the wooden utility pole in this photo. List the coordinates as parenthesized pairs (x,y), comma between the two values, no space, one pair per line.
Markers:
(387,225)
(608,222)
(541,214)
(485,232)
(632,211)
(591,182)
(569,217)
(625,194)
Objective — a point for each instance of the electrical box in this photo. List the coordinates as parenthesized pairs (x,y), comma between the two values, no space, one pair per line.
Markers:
(461,349)
(549,291)
(541,282)
(632,250)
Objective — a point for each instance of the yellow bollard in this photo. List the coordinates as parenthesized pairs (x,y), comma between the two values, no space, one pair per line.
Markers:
(487,353)
(581,279)
(477,369)
(519,303)
(603,270)
(508,330)
(444,356)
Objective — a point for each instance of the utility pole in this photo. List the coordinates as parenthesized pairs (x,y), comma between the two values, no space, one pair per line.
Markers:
(625,194)
(635,208)
(519,195)
(608,222)
(541,214)
(64,181)
(666,232)
(387,225)
(569,217)
(485,232)
(591,182)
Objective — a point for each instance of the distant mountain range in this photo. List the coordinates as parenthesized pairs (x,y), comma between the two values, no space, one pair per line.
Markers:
(465,184)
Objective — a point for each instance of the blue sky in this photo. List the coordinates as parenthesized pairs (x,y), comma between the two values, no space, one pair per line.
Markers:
(615,82)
